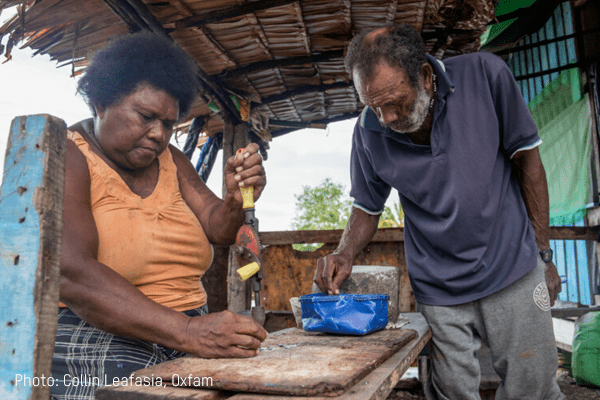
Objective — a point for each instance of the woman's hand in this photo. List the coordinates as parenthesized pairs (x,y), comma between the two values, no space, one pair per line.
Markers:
(244,170)
(224,335)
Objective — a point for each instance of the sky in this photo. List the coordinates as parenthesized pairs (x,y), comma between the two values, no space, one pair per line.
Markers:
(34,85)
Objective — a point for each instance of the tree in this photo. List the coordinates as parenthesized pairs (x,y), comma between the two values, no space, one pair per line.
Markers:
(326,207)
(392,217)
(321,207)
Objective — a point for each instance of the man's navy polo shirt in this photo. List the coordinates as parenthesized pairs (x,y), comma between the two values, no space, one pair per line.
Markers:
(467,233)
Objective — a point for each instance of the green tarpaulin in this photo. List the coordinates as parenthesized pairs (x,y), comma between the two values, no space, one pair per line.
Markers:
(565,153)
(504,7)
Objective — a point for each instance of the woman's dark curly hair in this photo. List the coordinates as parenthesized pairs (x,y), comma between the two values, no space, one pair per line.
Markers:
(145,57)
(399,45)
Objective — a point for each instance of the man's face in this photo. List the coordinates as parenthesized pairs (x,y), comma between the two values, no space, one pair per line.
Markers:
(398,104)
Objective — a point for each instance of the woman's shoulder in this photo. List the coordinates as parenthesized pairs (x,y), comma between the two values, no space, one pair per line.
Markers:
(84,128)
(76,162)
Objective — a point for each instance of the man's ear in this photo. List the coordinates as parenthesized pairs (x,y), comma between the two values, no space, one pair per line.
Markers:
(427,75)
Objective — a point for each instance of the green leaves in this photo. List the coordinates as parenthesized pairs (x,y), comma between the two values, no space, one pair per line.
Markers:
(322,207)
(325,207)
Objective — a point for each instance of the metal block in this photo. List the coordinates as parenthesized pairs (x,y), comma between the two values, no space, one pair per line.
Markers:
(373,279)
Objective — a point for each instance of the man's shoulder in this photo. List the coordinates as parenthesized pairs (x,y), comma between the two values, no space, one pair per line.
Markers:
(480,60)
(479,56)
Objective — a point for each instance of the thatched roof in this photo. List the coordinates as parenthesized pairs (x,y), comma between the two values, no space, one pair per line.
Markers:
(283,58)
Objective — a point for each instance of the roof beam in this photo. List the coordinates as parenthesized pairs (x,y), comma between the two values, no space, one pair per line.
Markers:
(137,17)
(261,65)
(128,14)
(230,12)
(304,89)
(301,125)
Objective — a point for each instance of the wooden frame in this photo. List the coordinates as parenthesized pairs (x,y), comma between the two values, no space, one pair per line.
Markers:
(31,205)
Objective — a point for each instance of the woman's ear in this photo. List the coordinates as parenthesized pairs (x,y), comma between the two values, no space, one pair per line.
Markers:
(99,111)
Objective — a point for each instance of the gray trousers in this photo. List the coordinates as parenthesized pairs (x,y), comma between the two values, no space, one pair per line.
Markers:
(516,325)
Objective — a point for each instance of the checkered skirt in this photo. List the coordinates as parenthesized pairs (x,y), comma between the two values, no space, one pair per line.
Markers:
(86,357)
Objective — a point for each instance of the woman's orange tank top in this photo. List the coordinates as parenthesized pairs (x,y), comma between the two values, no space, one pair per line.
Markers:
(156,243)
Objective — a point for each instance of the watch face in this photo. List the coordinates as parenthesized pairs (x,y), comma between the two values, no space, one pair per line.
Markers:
(546,255)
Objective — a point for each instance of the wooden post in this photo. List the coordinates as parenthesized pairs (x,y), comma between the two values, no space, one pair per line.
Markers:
(31,205)
(234,138)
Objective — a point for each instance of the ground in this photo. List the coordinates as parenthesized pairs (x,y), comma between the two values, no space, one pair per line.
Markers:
(565,381)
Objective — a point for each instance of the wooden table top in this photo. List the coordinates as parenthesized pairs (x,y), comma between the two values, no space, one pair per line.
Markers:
(376,385)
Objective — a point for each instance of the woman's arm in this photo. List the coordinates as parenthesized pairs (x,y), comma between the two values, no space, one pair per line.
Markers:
(221,219)
(108,301)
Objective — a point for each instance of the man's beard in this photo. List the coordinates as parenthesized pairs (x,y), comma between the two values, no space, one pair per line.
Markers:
(417,115)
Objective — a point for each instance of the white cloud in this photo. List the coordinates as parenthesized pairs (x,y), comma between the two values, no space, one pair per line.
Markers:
(33,85)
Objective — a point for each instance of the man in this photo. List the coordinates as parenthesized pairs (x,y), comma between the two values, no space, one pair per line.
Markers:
(458,143)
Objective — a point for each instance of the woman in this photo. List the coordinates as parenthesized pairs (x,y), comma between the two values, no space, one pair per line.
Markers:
(138,226)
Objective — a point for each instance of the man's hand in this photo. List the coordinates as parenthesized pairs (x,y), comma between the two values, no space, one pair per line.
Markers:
(224,335)
(332,271)
(245,170)
(553,282)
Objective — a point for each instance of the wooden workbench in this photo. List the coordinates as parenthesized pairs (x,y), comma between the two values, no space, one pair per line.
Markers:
(376,385)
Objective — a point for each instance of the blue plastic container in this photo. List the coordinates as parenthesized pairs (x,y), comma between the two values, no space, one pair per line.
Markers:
(344,314)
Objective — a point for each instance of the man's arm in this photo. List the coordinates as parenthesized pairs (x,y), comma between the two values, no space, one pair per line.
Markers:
(534,188)
(334,269)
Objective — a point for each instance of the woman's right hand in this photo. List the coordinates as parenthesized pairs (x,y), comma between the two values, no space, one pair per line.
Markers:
(224,335)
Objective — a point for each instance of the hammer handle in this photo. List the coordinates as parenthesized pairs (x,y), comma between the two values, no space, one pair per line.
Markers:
(247,192)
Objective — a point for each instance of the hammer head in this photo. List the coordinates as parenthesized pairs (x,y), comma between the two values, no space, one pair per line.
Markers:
(247,247)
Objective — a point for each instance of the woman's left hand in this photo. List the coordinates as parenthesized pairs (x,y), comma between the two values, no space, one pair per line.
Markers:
(244,170)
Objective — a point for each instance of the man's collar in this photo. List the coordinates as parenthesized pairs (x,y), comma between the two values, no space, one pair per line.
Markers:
(368,118)
(445,85)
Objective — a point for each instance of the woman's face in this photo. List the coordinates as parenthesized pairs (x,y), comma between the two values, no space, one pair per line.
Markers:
(135,130)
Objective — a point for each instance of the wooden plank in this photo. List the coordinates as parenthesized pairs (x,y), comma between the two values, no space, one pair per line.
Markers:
(375,386)
(583,271)
(564,330)
(137,392)
(235,136)
(574,232)
(328,236)
(292,362)
(397,235)
(31,205)
(379,383)
(571,312)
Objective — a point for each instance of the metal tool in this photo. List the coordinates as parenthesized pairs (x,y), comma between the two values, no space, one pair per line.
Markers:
(248,249)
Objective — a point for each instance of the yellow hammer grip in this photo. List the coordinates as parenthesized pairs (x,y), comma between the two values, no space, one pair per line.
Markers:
(247,193)
(247,271)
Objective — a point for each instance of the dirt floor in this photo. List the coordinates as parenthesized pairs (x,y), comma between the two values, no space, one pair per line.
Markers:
(567,385)
(565,381)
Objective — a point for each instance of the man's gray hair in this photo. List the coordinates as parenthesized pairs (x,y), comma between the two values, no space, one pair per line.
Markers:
(400,46)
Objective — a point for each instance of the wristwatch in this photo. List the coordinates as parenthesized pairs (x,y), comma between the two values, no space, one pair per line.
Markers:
(546,255)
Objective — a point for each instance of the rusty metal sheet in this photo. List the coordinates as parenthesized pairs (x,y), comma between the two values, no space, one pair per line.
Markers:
(291,362)
(289,273)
